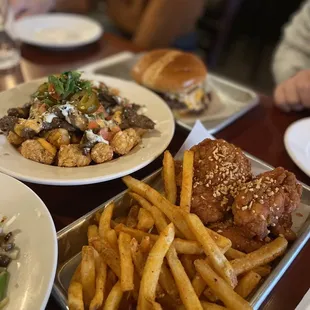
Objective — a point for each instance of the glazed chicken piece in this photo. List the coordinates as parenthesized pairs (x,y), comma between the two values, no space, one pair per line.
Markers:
(240,239)
(219,169)
(261,203)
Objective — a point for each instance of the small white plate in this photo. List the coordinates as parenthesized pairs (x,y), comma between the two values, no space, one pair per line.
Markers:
(152,145)
(58,30)
(32,274)
(297,143)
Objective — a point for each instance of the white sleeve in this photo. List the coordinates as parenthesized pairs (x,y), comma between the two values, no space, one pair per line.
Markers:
(293,52)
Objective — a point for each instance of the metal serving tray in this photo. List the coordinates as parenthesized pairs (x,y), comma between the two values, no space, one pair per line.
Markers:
(74,236)
(234,100)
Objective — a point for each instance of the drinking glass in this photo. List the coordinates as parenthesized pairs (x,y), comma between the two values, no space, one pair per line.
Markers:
(9,49)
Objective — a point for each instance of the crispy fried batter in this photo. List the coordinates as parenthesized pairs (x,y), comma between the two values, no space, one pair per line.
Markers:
(263,201)
(239,237)
(124,141)
(34,150)
(15,139)
(72,156)
(101,153)
(220,168)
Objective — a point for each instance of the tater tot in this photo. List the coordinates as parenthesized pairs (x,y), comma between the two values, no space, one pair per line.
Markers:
(124,141)
(72,156)
(101,153)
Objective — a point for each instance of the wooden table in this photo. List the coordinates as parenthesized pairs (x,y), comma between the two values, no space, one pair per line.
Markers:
(259,132)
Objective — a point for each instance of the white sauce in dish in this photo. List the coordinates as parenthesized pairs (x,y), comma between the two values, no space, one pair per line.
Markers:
(92,137)
(48,117)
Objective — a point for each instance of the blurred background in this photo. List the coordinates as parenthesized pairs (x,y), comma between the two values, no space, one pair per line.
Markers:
(238,38)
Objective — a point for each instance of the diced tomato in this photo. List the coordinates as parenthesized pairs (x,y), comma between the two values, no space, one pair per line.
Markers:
(52,92)
(93,125)
(106,135)
(100,109)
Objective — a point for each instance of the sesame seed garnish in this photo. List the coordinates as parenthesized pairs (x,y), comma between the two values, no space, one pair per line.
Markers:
(262,217)
(244,208)
(261,201)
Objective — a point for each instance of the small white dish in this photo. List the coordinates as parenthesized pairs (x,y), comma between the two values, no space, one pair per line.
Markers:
(32,274)
(297,143)
(58,30)
(152,145)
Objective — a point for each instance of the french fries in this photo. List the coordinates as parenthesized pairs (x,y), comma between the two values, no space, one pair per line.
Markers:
(217,258)
(153,266)
(127,269)
(262,256)
(146,244)
(135,233)
(247,284)
(114,298)
(137,256)
(221,288)
(75,296)
(161,203)
(187,293)
(198,284)
(169,177)
(88,274)
(233,254)
(187,181)
(167,282)
(145,220)
(132,219)
(162,256)
(108,255)
(210,306)
(92,233)
(188,264)
(187,247)
(158,216)
(111,237)
(263,271)
(105,220)
(101,277)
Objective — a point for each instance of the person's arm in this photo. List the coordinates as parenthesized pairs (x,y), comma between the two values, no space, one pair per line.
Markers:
(163,21)
(293,52)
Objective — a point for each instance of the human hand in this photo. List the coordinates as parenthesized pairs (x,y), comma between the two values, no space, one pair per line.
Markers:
(30,7)
(294,93)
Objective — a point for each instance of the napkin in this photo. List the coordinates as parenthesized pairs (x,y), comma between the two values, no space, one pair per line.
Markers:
(198,133)
(305,302)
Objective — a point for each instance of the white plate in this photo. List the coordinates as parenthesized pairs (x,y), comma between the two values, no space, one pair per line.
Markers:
(152,145)
(32,274)
(58,30)
(297,143)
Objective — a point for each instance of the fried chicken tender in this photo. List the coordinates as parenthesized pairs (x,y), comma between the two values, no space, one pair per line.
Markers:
(219,169)
(101,153)
(72,156)
(261,202)
(239,237)
(38,150)
(123,141)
